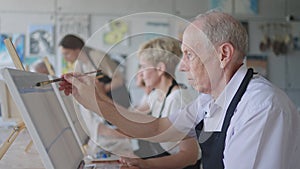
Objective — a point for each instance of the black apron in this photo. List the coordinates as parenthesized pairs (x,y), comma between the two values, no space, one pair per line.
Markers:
(213,148)
(120,94)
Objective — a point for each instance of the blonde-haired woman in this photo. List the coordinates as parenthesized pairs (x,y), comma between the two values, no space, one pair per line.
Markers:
(158,59)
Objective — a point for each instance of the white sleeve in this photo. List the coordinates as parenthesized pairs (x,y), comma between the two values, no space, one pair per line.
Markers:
(262,140)
(186,119)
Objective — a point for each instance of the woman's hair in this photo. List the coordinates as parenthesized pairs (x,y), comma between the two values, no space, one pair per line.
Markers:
(166,50)
(71,42)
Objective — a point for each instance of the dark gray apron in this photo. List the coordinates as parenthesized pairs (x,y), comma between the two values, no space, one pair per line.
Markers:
(212,149)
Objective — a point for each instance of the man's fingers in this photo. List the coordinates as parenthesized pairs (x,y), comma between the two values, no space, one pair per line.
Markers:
(129,161)
(72,80)
(67,92)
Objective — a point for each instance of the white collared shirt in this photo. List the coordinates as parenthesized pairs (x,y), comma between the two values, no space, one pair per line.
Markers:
(264,132)
(214,117)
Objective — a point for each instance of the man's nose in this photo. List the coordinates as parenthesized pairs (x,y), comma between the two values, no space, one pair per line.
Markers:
(183,66)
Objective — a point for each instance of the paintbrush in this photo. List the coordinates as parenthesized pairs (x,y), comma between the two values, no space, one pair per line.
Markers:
(43,83)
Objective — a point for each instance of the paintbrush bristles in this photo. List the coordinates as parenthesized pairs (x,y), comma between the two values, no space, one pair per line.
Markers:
(42,83)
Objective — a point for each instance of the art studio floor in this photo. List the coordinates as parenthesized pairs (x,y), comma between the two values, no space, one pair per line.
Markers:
(16,157)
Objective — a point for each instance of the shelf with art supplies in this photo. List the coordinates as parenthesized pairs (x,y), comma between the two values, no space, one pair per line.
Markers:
(20,125)
(278,38)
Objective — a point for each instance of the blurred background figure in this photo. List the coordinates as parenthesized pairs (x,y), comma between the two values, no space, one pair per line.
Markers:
(85,59)
(40,67)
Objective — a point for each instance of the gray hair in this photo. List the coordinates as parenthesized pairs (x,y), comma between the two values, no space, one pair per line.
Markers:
(220,27)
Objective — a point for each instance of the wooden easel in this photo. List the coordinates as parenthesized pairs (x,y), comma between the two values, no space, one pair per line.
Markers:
(21,125)
(48,65)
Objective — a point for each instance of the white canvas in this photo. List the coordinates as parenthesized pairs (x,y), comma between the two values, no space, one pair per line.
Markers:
(45,119)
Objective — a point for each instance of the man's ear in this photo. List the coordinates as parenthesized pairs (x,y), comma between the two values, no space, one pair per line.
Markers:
(161,67)
(226,54)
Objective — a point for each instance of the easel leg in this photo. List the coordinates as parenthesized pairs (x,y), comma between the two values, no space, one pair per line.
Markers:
(28,146)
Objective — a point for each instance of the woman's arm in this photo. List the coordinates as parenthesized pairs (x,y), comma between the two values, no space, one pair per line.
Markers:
(188,155)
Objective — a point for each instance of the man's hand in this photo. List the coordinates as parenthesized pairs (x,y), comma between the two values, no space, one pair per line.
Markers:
(82,88)
(137,162)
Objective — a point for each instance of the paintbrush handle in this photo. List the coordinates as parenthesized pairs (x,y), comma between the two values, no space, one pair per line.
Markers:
(60,79)
(55,80)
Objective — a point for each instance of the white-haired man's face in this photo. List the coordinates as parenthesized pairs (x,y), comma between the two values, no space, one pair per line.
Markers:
(199,61)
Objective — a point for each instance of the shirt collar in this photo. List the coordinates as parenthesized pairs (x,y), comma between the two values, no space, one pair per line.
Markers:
(204,100)
(213,120)
(203,103)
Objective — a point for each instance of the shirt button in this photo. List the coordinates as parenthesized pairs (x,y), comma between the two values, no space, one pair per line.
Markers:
(205,114)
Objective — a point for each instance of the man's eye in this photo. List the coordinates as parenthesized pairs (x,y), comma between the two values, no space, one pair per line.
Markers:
(189,56)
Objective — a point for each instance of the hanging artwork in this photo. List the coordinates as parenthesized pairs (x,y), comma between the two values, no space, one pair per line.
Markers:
(41,40)
(223,5)
(18,41)
(4,56)
(73,24)
(117,31)
(78,25)
(246,7)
